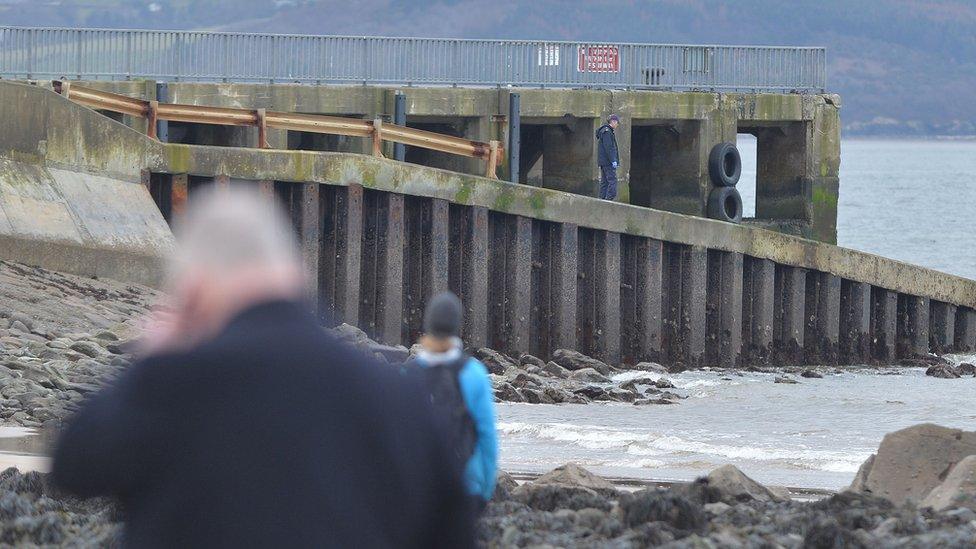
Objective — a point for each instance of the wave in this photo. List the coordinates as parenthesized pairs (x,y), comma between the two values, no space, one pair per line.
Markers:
(653,447)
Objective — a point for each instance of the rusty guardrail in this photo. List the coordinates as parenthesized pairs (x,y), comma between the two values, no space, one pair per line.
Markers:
(154,111)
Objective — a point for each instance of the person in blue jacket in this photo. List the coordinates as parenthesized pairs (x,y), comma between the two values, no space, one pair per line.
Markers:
(608,158)
(461,392)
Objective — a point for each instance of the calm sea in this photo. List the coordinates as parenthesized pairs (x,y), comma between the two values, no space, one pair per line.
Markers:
(910,200)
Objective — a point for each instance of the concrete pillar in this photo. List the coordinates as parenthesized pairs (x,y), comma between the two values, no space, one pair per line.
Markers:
(310,234)
(569,161)
(965,330)
(884,324)
(822,335)
(942,327)
(790,314)
(855,322)
(426,256)
(913,326)
(381,307)
(641,322)
(606,334)
(723,346)
(469,269)
(509,282)
(666,167)
(687,280)
(565,247)
(758,306)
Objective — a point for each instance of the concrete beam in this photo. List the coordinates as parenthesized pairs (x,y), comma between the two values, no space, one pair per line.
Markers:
(789,314)
(723,345)
(884,324)
(855,322)
(913,326)
(758,308)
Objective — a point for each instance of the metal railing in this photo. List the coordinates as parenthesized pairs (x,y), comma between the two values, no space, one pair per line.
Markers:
(93,54)
(153,111)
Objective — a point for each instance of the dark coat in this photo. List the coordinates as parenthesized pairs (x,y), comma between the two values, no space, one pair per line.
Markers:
(272,434)
(607,148)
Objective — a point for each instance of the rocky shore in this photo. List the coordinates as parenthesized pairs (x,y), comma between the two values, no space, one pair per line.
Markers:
(901,498)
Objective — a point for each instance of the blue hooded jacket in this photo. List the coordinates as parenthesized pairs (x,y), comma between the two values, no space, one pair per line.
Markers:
(480,471)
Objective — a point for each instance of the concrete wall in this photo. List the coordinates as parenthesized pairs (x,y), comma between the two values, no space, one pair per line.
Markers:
(69,203)
(665,169)
(537,269)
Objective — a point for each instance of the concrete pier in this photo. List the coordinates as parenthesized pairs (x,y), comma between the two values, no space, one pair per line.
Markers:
(537,269)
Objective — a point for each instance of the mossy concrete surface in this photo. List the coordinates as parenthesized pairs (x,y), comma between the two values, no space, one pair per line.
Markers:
(44,130)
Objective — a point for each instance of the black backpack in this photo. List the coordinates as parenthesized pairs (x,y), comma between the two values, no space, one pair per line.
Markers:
(444,393)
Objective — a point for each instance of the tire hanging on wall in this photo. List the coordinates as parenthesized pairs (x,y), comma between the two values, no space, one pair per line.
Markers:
(725,204)
(724,165)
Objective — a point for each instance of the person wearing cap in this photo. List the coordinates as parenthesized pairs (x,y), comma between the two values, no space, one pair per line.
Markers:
(607,158)
(460,391)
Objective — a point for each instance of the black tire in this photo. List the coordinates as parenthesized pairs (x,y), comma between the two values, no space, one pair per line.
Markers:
(725,204)
(724,165)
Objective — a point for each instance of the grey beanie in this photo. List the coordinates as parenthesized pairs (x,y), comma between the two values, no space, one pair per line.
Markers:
(443,316)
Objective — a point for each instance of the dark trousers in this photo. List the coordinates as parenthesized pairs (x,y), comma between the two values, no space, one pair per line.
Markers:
(608,182)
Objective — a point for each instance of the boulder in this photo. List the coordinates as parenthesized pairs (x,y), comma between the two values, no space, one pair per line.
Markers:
(911,462)
(646,401)
(535,396)
(811,374)
(351,334)
(957,490)
(588,375)
(87,348)
(735,486)
(550,497)
(496,362)
(573,360)
(555,370)
(504,485)
(527,360)
(861,478)
(785,379)
(966,369)
(390,353)
(656,505)
(651,367)
(944,371)
(572,474)
(505,392)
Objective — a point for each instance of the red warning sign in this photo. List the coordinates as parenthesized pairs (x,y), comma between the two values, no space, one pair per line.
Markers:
(599,59)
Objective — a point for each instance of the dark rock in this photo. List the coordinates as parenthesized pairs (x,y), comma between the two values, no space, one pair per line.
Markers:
(651,367)
(646,401)
(923,361)
(496,362)
(528,360)
(504,484)
(550,497)
(664,383)
(735,486)
(588,375)
(555,370)
(784,379)
(87,348)
(572,474)
(810,374)
(829,534)
(944,371)
(654,505)
(574,360)
(505,392)
(593,392)
(966,369)
(534,396)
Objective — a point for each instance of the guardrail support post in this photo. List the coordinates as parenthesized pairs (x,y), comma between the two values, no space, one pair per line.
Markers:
(378,137)
(492,163)
(400,119)
(152,118)
(514,135)
(259,116)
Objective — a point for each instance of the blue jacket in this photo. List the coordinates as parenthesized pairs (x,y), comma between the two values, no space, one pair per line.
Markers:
(479,473)
(607,147)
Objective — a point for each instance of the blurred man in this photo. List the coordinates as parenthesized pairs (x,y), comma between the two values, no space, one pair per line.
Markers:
(247,425)
(608,158)
(459,388)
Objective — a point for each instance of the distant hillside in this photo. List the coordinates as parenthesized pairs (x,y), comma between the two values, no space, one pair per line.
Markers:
(903,67)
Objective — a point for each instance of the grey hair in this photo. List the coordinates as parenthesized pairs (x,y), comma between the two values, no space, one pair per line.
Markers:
(224,230)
